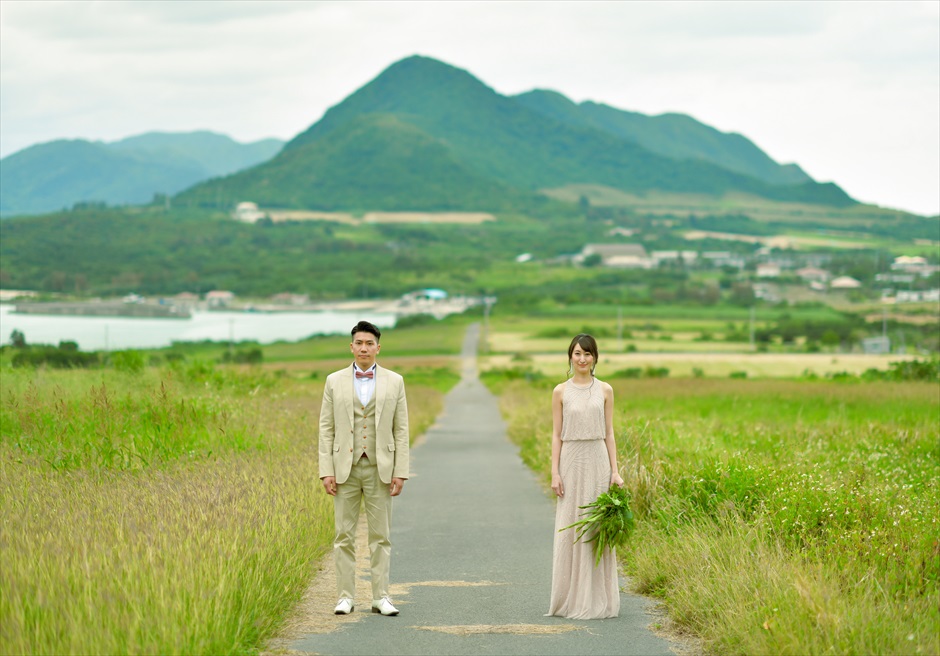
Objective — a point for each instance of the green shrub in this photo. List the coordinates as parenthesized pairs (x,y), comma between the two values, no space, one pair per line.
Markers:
(57,358)
(131,362)
(411,320)
(629,372)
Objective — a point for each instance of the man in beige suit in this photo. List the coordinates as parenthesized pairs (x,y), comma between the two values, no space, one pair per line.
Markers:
(363,457)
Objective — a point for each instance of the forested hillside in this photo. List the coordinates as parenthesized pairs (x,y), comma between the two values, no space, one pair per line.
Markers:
(438,138)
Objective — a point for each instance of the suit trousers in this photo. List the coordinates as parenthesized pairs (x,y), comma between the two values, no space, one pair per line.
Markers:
(363,485)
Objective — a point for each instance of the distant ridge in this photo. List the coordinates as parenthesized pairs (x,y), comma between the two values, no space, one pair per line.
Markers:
(672,135)
(499,152)
(57,174)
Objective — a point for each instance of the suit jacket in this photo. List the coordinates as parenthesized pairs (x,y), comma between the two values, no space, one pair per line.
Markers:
(391,425)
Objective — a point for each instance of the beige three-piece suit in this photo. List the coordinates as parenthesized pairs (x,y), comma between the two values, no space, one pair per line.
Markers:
(364,446)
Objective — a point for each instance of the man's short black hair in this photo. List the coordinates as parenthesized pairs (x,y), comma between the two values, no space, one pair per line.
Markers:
(366,327)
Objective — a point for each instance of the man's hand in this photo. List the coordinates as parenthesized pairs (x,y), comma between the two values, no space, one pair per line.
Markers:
(395,488)
(329,484)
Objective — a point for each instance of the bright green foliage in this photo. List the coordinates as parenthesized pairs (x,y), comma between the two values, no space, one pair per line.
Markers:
(776,517)
(201,546)
(425,135)
(672,135)
(608,521)
(117,422)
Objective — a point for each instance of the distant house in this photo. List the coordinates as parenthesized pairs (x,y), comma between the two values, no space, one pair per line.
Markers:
(425,295)
(845,282)
(876,345)
(186,300)
(247,212)
(674,256)
(917,296)
(913,264)
(627,256)
(768,270)
(813,274)
(895,277)
(623,232)
(219,298)
(286,298)
(908,263)
(523,258)
(724,259)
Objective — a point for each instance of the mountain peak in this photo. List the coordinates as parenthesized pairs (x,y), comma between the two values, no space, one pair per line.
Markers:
(416,85)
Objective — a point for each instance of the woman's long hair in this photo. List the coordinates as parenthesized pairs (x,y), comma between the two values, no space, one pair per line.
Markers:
(586,342)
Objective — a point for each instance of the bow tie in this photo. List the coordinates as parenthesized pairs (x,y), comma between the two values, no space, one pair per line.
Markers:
(365,374)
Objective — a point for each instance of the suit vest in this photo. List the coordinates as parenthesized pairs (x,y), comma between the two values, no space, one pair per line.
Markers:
(364,429)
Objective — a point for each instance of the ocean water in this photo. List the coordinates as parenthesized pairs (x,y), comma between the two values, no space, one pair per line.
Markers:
(117,333)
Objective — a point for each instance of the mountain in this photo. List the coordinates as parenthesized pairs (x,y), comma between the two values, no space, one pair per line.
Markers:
(672,135)
(520,145)
(376,161)
(57,174)
(216,153)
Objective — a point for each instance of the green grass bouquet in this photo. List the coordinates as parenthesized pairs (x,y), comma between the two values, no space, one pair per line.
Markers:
(609,521)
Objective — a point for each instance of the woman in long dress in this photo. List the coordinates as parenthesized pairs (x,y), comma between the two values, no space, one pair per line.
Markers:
(584,464)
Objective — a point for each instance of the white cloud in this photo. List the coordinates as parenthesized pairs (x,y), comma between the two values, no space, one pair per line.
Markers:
(850,91)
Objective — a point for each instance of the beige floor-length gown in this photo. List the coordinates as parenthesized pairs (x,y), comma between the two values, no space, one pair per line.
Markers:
(579,589)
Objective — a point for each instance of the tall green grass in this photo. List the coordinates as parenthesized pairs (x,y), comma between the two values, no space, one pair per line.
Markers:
(777,517)
(172,511)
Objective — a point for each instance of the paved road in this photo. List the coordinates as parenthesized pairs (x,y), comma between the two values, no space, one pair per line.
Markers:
(472,553)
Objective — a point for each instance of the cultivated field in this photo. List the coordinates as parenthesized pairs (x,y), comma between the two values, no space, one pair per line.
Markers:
(463,218)
(708,364)
(775,517)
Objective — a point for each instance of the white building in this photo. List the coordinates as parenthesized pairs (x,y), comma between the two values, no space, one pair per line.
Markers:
(845,282)
(247,212)
(811,274)
(218,298)
(627,256)
(768,270)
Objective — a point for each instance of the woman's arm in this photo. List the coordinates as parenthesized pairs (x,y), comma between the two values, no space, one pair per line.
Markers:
(609,440)
(558,487)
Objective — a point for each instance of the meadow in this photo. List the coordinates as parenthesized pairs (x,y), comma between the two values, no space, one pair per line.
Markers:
(774,516)
(702,344)
(166,510)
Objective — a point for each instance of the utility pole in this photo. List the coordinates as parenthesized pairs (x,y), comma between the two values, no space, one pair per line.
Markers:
(752,327)
(231,339)
(619,328)
(485,344)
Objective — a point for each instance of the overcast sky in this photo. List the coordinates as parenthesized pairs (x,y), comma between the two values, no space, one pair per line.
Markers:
(848,90)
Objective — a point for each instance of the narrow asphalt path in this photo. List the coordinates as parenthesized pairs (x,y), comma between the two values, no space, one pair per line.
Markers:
(472,553)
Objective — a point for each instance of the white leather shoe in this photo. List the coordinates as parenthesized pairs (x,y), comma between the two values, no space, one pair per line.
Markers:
(383,606)
(344,606)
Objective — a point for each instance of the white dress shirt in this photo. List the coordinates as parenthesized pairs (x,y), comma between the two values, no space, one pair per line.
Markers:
(365,387)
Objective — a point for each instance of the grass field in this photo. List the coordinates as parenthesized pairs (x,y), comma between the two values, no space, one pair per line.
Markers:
(460,218)
(707,364)
(173,511)
(687,344)
(775,517)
